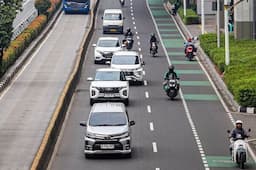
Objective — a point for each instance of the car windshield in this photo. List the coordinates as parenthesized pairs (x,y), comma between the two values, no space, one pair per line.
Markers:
(112,16)
(125,60)
(78,1)
(108,76)
(108,119)
(108,43)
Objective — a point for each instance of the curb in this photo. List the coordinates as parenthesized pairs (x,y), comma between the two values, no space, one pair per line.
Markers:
(46,148)
(210,67)
(20,62)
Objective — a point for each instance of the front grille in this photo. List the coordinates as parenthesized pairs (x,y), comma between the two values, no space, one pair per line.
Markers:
(118,145)
(107,55)
(128,73)
(109,90)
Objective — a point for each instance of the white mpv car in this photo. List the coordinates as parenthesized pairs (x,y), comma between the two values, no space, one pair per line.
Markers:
(105,48)
(109,85)
(130,63)
(107,130)
(113,21)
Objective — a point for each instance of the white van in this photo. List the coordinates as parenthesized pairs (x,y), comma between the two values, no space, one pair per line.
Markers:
(113,21)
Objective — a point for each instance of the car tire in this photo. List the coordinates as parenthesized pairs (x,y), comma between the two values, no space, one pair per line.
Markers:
(88,156)
(126,102)
(92,102)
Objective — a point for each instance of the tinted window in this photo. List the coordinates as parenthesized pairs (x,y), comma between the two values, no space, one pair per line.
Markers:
(107,119)
(108,43)
(125,60)
(107,75)
(112,16)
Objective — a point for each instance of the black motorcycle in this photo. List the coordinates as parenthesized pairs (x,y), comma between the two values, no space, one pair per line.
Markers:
(190,53)
(153,50)
(171,87)
(128,42)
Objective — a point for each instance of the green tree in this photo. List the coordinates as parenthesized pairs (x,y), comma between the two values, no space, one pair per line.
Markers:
(8,11)
(42,6)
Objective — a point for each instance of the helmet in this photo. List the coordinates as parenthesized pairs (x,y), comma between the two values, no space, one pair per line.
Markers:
(239,122)
(128,29)
(171,67)
(189,39)
(152,34)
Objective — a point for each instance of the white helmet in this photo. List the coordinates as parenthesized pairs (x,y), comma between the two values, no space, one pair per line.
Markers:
(239,122)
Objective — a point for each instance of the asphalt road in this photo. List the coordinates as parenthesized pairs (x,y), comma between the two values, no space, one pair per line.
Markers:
(28,103)
(188,133)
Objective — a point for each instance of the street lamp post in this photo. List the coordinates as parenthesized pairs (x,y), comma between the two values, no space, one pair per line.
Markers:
(218,23)
(185,7)
(202,16)
(227,57)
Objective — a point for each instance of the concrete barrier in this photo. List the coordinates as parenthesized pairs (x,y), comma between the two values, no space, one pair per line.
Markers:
(46,148)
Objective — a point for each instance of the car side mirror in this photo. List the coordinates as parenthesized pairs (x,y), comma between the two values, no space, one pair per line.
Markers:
(94,45)
(89,79)
(83,123)
(131,123)
(228,131)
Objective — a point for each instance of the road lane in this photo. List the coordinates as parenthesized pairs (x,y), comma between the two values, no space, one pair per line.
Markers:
(27,105)
(161,148)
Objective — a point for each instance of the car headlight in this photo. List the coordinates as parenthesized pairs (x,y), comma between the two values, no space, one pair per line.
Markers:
(98,53)
(85,6)
(124,135)
(138,71)
(90,135)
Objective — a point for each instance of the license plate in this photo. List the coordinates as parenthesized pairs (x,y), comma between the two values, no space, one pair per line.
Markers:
(107,146)
(109,95)
(112,30)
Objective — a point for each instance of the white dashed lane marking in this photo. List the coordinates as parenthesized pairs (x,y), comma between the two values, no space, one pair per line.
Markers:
(139,49)
(147,94)
(145,83)
(151,126)
(133,22)
(154,147)
(149,108)
(138,43)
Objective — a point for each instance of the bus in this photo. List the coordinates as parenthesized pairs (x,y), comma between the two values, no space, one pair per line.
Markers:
(76,6)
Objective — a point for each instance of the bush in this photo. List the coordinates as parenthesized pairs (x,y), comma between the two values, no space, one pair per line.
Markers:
(190,18)
(42,6)
(240,74)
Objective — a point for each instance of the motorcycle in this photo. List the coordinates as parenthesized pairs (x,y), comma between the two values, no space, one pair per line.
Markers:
(153,49)
(171,87)
(128,41)
(190,53)
(240,150)
(122,2)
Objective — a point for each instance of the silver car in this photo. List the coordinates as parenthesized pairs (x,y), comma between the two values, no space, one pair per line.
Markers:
(107,130)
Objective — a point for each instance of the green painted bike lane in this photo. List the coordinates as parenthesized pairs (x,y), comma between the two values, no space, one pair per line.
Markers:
(173,42)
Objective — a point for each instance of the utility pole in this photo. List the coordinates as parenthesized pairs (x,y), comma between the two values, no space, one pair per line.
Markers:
(227,57)
(202,16)
(218,23)
(185,7)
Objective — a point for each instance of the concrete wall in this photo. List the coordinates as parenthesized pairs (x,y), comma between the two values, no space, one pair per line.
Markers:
(207,5)
(244,20)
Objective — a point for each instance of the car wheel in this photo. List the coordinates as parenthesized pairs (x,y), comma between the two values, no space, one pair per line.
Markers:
(126,102)
(88,156)
(92,102)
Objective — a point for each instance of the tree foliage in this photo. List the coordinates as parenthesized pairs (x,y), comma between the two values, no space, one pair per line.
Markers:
(42,6)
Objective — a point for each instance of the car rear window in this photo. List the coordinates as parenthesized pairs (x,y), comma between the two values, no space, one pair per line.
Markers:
(112,16)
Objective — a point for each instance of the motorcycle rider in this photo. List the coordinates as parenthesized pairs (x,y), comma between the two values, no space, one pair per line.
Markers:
(189,43)
(153,39)
(237,131)
(171,74)
(128,33)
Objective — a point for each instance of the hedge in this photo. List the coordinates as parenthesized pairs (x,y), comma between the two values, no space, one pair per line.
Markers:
(240,75)
(190,18)
(18,45)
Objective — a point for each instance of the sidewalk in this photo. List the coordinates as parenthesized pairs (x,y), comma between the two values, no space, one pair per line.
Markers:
(210,27)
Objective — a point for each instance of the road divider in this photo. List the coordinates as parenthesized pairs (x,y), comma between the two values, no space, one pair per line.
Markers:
(46,148)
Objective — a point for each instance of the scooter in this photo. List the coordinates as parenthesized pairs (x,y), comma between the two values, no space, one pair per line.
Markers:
(240,150)
(153,50)
(171,87)
(122,2)
(190,53)
(128,41)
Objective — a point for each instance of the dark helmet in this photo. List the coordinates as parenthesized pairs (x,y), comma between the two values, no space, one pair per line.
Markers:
(171,68)
(128,29)
(152,34)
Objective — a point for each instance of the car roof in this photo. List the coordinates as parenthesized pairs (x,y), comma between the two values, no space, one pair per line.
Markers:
(108,107)
(124,53)
(108,38)
(108,69)
(113,11)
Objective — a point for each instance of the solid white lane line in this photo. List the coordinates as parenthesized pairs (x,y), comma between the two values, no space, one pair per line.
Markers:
(151,126)
(154,147)
(149,108)
(138,43)
(31,58)
(147,94)
(145,83)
